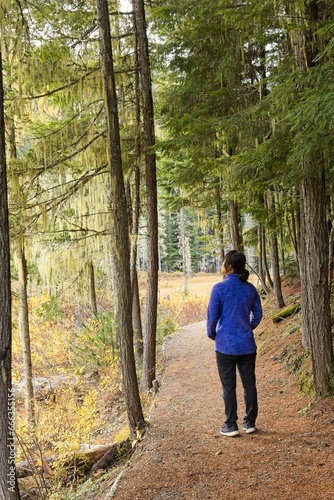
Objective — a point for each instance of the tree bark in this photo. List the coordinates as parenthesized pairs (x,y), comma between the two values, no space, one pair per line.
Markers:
(134,222)
(276,271)
(25,335)
(274,256)
(331,257)
(220,226)
(136,306)
(120,227)
(262,257)
(236,236)
(136,317)
(149,358)
(8,481)
(23,306)
(316,316)
(115,454)
(314,240)
(264,261)
(93,301)
(183,248)
(292,227)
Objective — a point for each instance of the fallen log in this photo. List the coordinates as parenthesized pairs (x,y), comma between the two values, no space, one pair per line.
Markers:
(95,453)
(116,453)
(45,387)
(26,469)
(89,456)
(285,312)
(31,467)
(85,461)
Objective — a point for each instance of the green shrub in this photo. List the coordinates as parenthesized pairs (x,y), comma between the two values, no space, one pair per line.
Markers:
(50,310)
(96,343)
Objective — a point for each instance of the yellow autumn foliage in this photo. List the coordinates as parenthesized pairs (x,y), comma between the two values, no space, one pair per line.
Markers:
(84,406)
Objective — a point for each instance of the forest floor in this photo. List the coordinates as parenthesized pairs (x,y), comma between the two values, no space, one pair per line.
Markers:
(183,456)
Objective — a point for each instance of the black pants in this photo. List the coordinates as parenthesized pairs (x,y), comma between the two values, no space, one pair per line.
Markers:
(227,365)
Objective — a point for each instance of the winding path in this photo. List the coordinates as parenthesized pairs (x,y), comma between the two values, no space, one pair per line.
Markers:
(183,456)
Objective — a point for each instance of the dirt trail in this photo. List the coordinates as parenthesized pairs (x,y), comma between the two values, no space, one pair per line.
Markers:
(183,456)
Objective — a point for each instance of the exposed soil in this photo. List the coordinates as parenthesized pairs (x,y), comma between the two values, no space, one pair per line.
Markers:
(183,456)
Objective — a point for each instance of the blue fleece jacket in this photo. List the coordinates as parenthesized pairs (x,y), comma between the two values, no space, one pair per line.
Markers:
(234,310)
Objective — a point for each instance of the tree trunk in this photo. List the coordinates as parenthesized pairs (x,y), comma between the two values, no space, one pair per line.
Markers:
(25,335)
(136,307)
(262,258)
(276,272)
(304,276)
(183,248)
(220,227)
(296,226)
(292,227)
(236,236)
(281,246)
(8,482)
(265,263)
(149,358)
(316,316)
(262,275)
(136,317)
(120,227)
(266,272)
(23,306)
(274,256)
(93,301)
(331,257)
(314,240)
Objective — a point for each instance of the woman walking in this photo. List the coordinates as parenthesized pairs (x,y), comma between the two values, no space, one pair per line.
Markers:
(234,310)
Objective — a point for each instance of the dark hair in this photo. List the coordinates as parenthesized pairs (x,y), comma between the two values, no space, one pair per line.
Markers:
(237,261)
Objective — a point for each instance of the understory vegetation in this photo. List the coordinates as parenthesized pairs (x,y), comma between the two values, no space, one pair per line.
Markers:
(79,403)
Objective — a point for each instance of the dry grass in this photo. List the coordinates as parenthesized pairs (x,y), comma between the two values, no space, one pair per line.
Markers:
(198,285)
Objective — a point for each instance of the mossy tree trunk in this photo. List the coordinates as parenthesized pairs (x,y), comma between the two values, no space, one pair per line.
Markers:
(23,298)
(92,286)
(149,358)
(8,482)
(316,315)
(136,306)
(120,227)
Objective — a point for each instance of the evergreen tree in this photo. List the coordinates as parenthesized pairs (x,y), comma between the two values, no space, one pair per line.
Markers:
(120,231)
(8,482)
(149,358)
